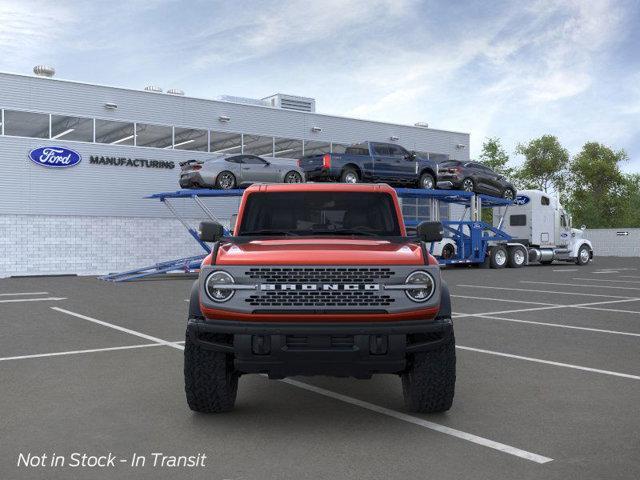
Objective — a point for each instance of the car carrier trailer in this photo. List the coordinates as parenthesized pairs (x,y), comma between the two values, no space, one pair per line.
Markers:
(470,240)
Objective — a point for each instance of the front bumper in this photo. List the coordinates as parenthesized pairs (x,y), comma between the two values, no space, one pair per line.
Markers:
(338,349)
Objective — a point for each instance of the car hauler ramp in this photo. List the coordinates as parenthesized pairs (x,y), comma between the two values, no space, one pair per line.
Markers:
(471,236)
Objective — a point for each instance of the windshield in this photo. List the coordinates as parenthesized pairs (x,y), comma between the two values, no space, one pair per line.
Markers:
(320,213)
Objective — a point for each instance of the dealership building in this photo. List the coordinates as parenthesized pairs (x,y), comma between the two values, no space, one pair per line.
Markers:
(93,218)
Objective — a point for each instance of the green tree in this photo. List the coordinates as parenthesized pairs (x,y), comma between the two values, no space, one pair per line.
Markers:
(599,192)
(545,165)
(495,157)
(631,201)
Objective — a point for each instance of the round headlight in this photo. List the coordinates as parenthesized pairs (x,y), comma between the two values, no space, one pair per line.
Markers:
(425,286)
(215,286)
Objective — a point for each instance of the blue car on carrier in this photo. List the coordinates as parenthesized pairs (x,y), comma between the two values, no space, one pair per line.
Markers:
(372,162)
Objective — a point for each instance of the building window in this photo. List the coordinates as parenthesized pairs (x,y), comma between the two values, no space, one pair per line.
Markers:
(316,148)
(190,139)
(226,143)
(258,145)
(157,136)
(338,147)
(114,133)
(72,128)
(287,148)
(26,124)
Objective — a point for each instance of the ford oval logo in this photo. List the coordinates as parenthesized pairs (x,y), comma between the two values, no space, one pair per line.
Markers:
(55,157)
(521,200)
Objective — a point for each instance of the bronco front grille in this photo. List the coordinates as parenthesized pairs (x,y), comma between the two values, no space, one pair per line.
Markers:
(319,274)
(319,299)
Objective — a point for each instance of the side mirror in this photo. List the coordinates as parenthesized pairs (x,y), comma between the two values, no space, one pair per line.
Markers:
(211,231)
(430,231)
(583,227)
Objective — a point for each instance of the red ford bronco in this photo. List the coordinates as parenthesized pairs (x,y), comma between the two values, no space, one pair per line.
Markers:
(319,279)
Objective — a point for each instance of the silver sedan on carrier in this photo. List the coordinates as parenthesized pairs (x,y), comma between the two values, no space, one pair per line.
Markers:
(233,171)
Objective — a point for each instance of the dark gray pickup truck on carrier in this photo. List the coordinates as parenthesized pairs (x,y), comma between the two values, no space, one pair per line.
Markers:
(372,162)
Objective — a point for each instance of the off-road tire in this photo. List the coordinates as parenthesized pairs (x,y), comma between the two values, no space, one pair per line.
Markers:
(428,383)
(349,171)
(210,381)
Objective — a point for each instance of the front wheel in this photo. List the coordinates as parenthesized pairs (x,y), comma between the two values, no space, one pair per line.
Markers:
(210,381)
(468,185)
(428,383)
(293,177)
(427,181)
(584,255)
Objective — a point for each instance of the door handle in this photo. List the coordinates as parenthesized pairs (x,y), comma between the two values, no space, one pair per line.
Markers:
(245,168)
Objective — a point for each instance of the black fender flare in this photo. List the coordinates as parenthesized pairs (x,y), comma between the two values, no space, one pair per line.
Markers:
(445,301)
(194,302)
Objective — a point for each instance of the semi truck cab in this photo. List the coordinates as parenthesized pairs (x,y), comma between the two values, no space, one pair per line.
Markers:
(538,221)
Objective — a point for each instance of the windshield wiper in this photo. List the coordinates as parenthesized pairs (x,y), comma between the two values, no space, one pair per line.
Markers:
(269,232)
(348,231)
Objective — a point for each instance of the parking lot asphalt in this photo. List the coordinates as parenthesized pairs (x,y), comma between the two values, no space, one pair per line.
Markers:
(548,387)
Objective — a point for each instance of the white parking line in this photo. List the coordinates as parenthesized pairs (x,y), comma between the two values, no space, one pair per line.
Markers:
(43,299)
(577,305)
(23,293)
(615,287)
(604,280)
(369,406)
(528,290)
(549,362)
(502,300)
(119,328)
(75,352)
(558,325)
(485,442)
(565,269)
(91,350)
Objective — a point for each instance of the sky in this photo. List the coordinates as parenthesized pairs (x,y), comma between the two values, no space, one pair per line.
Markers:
(514,70)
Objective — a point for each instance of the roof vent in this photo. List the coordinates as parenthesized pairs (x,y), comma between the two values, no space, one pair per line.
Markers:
(175,91)
(422,124)
(292,102)
(44,71)
(153,88)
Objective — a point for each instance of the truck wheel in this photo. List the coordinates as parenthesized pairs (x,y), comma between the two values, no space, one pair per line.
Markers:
(428,383)
(349,175)
(498,257)
(517,257)
(427,181)
(210,381)
(583,255)
(508,194)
